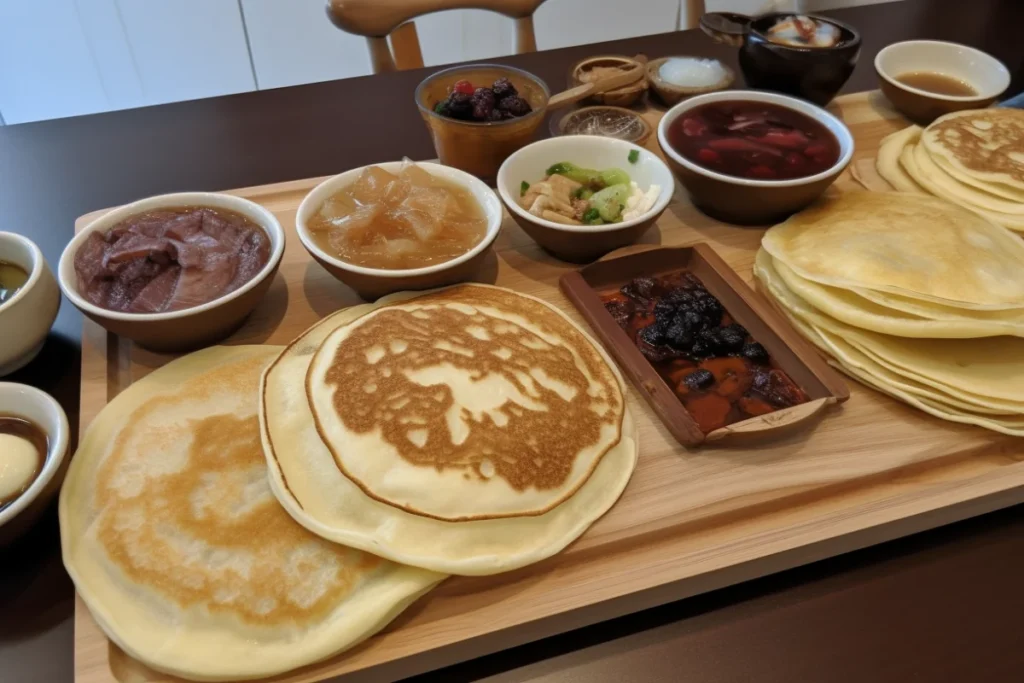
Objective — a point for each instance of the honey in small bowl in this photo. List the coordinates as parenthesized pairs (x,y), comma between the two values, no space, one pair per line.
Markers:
(936,83)
(12,279)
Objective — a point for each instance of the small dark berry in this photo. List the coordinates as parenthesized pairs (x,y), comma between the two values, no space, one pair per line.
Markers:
(692,318)
(481,112)
(484,95)
(732,338)
(515,105)
(699,379)
(503,88)
(756,353)
(460,105)
(700,349)
(499,115)
(442,108)
(653,334)
(679,336)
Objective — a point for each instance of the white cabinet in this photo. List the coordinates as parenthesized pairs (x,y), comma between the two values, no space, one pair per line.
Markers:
(46,66)
(71,57)
(187,49)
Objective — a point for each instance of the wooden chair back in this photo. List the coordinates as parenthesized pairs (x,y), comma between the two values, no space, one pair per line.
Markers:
(378,19)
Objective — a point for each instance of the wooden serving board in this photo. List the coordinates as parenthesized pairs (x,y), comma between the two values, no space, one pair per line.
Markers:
(871,470)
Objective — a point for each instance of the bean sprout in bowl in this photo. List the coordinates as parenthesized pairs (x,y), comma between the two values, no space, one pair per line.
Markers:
(582,196)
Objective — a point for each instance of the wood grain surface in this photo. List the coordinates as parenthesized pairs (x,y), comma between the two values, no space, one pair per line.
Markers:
(689,522)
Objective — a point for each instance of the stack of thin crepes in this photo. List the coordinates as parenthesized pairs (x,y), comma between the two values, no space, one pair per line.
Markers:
(972,158)
(910,295)
(248,510)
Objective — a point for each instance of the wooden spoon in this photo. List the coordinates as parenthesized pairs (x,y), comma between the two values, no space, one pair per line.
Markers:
(567,97)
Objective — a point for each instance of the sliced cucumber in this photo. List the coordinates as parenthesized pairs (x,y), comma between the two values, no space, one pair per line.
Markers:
(614,176)
(571,171)
(610,201)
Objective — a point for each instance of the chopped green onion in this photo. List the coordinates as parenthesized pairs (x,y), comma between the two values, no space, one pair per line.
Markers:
(591,216)
(634,156)
(523,187)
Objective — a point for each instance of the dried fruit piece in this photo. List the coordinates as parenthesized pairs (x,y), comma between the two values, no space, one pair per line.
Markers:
(699,379)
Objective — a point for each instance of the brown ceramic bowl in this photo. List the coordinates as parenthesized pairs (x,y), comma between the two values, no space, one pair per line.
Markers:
(746,201)
(583,243)
(985,74)
(480,148)
(189,328)
(671,94)
(373,283)
(625,96)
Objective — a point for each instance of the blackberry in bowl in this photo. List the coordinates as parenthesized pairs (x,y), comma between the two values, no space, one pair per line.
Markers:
(480,114)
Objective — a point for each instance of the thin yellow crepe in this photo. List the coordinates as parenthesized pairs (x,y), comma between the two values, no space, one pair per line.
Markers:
(863,312)
(911,245)
(985,372)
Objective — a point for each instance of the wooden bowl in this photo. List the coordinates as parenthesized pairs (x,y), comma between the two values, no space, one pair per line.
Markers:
(373,283)
(671,94)
(788,349)
(189,328)
(620,97)
(583,243)
(986,74)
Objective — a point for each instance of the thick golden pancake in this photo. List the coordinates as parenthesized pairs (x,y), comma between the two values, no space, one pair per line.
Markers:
(479,429)
(488,396)
(910,245)
(984,144)
(179,548)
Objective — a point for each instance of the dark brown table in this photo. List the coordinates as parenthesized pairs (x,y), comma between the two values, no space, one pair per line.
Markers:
(947,605)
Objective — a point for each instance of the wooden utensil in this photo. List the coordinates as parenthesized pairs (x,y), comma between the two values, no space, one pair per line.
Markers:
(572,95)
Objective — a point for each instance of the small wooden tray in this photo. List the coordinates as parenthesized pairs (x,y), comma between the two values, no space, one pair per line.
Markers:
(786,346)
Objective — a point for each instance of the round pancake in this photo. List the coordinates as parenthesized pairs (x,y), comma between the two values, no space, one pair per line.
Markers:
(997,189)
(863,310)
(493,398)
(932,178)
(177,545)
(985,144)
(310,485)
(911,245)
(971,197)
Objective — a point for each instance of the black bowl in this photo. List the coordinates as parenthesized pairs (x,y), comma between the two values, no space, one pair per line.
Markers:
(813,73)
